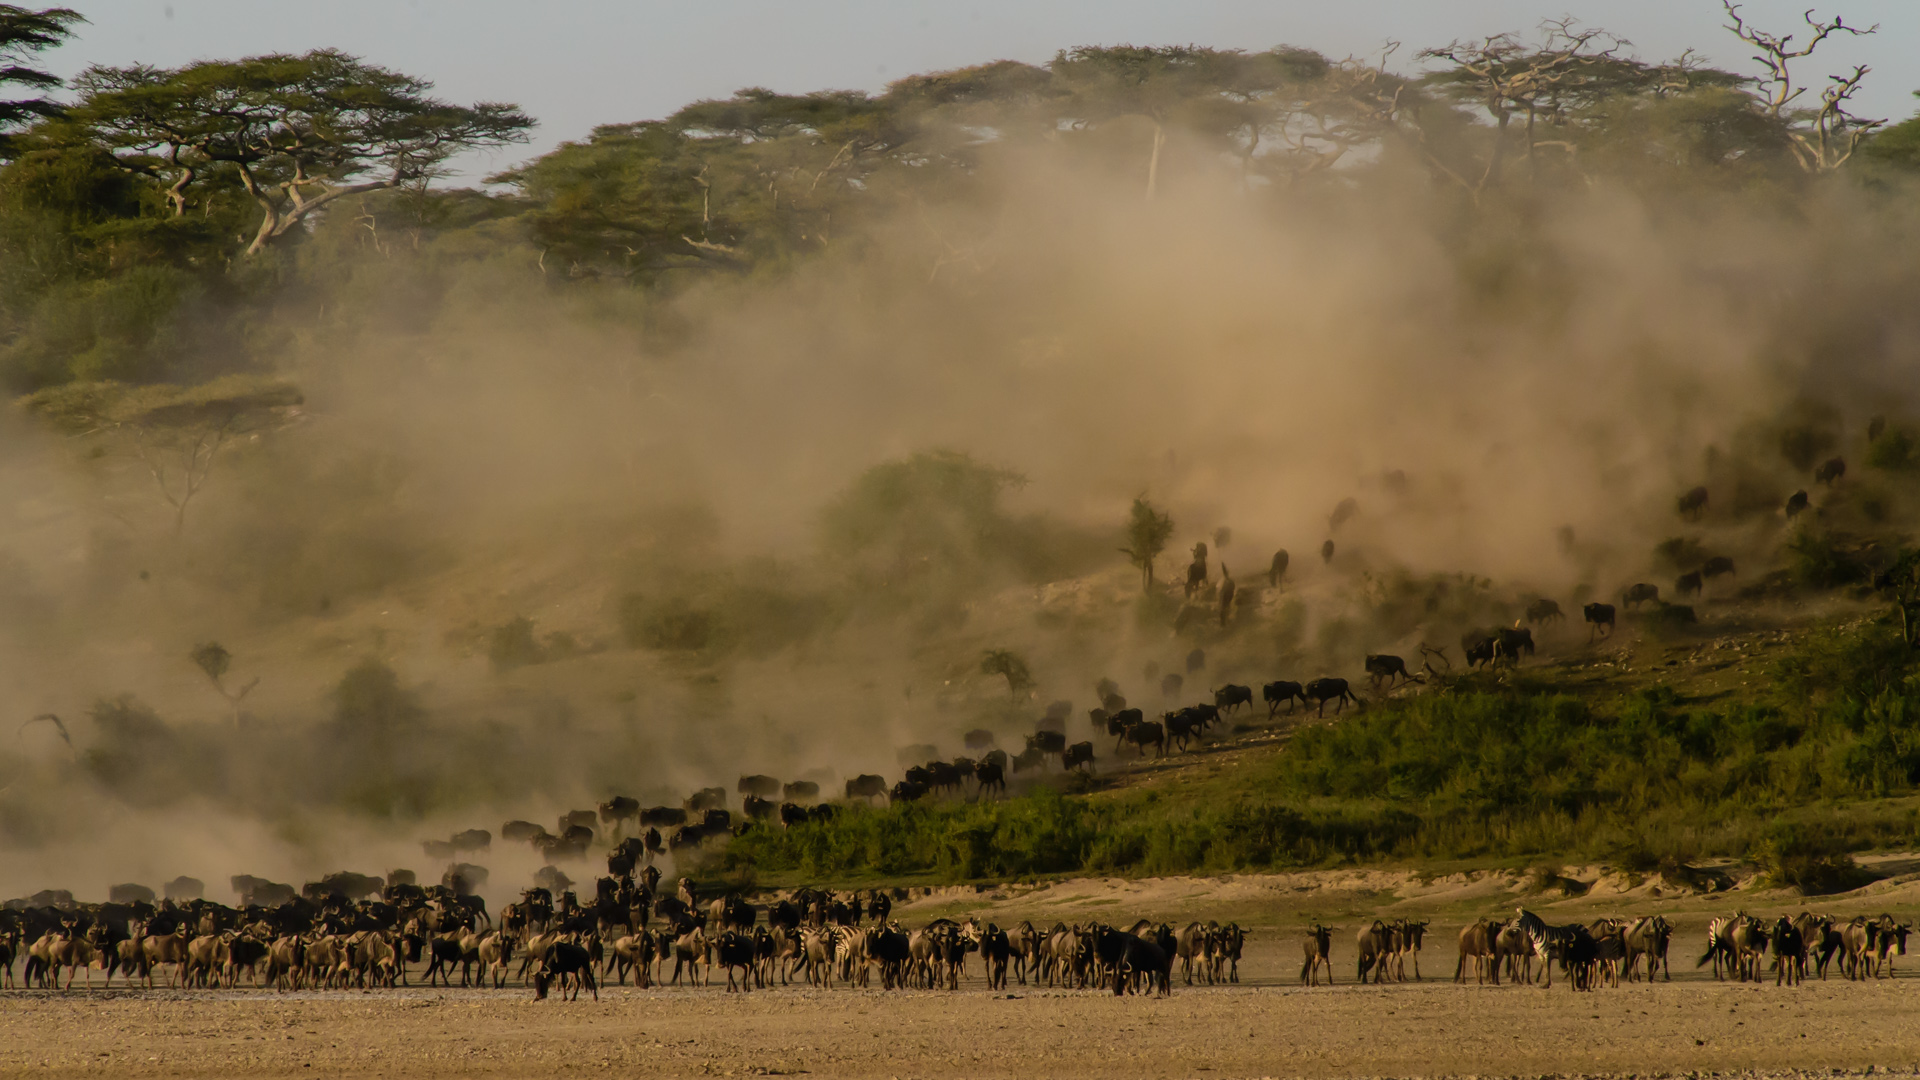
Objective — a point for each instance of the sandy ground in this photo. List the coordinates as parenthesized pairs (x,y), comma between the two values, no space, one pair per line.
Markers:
(1268,1025)
(1407,1030)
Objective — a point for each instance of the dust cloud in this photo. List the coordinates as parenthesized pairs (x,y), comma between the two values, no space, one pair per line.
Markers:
(1512,396)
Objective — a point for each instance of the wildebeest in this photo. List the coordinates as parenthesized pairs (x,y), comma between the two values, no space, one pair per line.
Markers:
(1276,692)
(1171,684)
(1230,697)
(1318,943)
(1279,568)
(866,786)
(1599,615)
(1080,753)
(990,774)
(1545,610)
(757,808)
(614,811)
(1228,591)
(472,840)
(765,787)
(184,888)
(1796,502)
(1326,552)
(663,816)
(1717,566)
(1510,642)
(1381,666)
(981,739)
(1640,593)
(1693,503)
(1058,711)
(1148,733)
(1477,646)
(1830,471)
(584,818)
(707,799)
(907,791)
(130,894)
(1478,944)
(1327,689)
(1047,742)
(521,831)
(1031,758)
(1688,583)
(800,791)
(1196,661)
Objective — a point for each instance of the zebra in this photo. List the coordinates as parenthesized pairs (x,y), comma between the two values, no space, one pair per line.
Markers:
(1548,941)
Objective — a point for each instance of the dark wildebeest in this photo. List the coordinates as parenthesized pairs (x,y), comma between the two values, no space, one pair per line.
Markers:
(942,776)
(521,831)
(1171,684)
(800,791)
(572,965)
(707,799)
(132,894)
(1545,610)
(1319,942)
(1148,733)
(1830,470)
(1635,595)
(1279,568)
(792,814)
(1326,552)
(184,888)
(1230,697)
(613,812)
(1196,661)
(658,816)
(1080,753)
(1031,758)
(1113,703)
(1510,642)
(1796,502)
(1694,503)
(766,787)
(1181,725)
(1058,711)
(907,791)
(979,739)
(1276,692)
(1717,566)
(439,849)
(1687,584)
(991,774)
(1381,666)
(757,808)
(1047,742)
(584,818)
(1098,718)
(1599,615)
(1325,690)
(1477,646)
(1228,590)
(472,840)
(866,786)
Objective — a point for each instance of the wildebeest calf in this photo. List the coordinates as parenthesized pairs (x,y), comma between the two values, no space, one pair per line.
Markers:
(1635,595)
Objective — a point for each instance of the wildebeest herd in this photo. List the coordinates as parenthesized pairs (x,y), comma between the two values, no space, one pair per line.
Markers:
(333,936)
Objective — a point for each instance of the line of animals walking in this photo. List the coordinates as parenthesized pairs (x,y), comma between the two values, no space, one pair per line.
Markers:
(817,937)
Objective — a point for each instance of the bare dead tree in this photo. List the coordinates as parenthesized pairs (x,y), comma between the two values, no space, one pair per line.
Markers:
(1508,78)
(1826,137)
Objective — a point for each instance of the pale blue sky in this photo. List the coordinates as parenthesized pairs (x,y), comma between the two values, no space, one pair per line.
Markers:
(577,63)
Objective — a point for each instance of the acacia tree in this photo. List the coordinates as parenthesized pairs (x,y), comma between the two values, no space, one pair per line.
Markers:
(213,659)
(176,433)
(1010,666)
(1830,133)
(1147,533)
(23,34)
(295,133)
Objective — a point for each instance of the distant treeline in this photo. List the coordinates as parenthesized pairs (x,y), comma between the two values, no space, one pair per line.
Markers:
(178,224)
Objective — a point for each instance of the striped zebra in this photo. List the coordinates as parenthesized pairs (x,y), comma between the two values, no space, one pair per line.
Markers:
(1548,941)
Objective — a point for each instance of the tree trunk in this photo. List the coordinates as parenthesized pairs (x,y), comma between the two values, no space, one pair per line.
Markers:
(1153,168)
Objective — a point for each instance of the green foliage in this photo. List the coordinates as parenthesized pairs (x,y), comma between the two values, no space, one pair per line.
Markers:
(212,658)
(1796,855)
(1009,665)
(1896,450)
(370,704)
(1822,560)
(1147,533)
(25,33)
